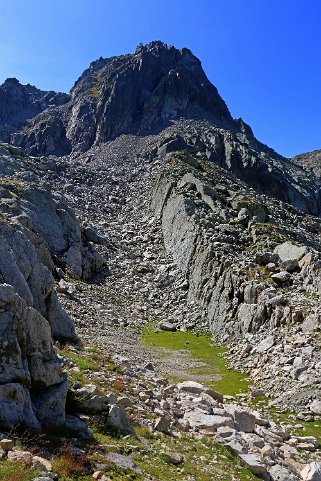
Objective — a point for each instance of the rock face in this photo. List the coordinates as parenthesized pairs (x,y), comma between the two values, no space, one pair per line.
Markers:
(18,103)
(37,234)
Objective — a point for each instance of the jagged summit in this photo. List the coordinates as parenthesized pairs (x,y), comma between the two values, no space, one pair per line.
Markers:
(19,102)
(141,92)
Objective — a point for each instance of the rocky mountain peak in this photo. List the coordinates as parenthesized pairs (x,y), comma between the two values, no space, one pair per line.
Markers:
(141,92)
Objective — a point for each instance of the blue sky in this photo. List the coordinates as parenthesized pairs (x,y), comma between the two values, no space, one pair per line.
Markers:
(264,56)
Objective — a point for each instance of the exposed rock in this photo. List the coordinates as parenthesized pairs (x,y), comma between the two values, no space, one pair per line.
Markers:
(161,424)
(315,406)
(118,419)
(254,464)
(197,388)
(208,423)
(280,473)
(311,472)
(290,252)
(172,458)
(244,421)
(77,427)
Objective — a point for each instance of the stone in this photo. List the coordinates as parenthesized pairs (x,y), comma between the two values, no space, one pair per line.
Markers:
(172,458)
(197,388)
(280,473)
(225,431)
(90,399)
(253,463)
(118,419)
(98,475)
(311,472)
(6,444)
(23,456)
(315,406)
(288,251)
(161,424)
(167,326)
(266,344)
(16,408)
(149,366)
(49,406)
(42,478)
(123,461)
(244,421)
(77,427)
(281,277)
(41,464)
(206,422)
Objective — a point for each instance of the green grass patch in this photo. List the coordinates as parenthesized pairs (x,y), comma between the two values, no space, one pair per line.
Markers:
(82,363)
(200,348)
(16,471)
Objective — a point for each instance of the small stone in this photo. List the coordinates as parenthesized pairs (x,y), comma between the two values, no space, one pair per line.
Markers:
(6,444)
(149,366)
(41,464)
(23,456)
(172,458)
(281,277)
(161,424)
(43,478)
(98,475)
(311,472)
(167,326)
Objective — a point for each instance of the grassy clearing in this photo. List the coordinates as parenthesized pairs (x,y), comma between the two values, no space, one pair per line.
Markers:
(201,348)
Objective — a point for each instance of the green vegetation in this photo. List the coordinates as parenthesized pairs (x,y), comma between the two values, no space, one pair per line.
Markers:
(308,428)
(70,468)
(200,348)
(204,460)
(16,471)
(89,360)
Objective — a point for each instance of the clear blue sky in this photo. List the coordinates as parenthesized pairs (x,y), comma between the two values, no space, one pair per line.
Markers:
(264,56)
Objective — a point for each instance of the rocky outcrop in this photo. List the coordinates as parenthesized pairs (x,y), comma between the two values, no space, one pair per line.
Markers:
(311,161)
(38,235)
(19,103)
